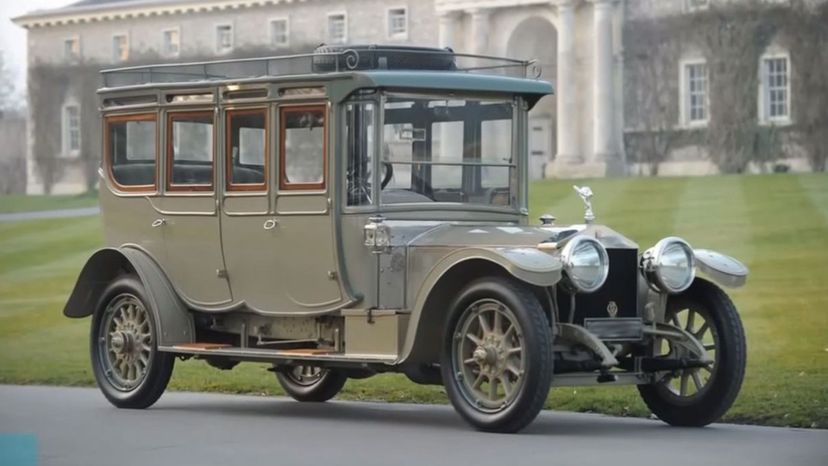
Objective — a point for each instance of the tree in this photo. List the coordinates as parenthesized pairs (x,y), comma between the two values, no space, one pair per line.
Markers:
(8,102)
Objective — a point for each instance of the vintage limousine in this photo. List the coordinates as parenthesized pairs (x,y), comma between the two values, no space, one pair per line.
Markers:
(363,210)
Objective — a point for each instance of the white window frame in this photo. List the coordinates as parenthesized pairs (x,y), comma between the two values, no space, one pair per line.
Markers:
(164,49)
(400,35)
(125,55)
(221,51)
(344,16)
(684,93)
(65,130)
(286,42)
(690,6)
(76,54)
(764,91)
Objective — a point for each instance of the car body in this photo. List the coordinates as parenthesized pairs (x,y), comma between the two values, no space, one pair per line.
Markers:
(365,210)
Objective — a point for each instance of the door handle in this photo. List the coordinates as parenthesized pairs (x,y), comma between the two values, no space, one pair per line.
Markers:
(270,224)
(158,222)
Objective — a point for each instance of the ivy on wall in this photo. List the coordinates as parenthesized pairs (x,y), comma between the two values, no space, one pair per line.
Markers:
(731,38)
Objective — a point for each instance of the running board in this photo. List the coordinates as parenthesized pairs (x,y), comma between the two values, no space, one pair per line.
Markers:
(286,356)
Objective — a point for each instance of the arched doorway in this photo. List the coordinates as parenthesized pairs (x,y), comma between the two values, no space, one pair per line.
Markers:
(536,38)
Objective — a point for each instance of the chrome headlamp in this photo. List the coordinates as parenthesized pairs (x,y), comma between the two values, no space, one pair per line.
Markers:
(585,263)
(669,265)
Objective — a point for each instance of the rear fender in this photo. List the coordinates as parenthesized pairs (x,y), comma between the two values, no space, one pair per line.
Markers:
(175,324)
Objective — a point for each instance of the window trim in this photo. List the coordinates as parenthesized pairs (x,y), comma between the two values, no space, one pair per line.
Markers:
(169,156)
(764,109)
(108,155)
(388,34)
(121,59)
(284,184)
(270,22)
(76,56)
(684,93)
(232,38)
(229,186)
(164,50)
(65,150)
(344,15)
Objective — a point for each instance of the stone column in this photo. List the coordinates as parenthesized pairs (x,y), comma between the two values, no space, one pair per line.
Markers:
(479,31)
(446,29)
(565,89)
(603,87)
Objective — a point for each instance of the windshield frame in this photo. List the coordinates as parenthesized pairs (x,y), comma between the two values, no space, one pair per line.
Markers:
(378,98)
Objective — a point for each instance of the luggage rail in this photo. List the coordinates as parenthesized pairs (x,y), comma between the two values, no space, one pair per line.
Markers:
(360,58)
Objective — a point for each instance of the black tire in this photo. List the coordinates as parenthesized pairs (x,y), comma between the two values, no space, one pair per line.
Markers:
(533,327)
(144,390)
(318,388)
(719,392)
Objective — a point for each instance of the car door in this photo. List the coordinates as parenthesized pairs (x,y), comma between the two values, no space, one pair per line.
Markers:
(276,217)
(188,210)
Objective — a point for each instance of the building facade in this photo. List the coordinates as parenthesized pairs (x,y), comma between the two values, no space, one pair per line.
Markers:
(602,121)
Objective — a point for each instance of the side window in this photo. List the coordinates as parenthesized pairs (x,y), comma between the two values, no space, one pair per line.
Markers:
(303,147)
(246,150)
(190,151)
(131,151)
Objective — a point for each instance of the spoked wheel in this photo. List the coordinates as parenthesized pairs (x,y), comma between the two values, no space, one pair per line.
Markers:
(497,358)
(700,395)
(128,367)
(311,383)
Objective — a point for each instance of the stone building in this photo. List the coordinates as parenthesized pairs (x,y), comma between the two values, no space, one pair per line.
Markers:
(596,124)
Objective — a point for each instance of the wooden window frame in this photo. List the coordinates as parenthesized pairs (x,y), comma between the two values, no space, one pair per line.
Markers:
(284,183)
(172,187)
(109,156)
(228,150)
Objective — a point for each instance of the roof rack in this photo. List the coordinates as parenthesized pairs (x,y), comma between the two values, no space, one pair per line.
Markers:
(326,59)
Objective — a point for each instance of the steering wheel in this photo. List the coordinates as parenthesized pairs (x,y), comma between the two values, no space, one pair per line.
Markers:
(389,173)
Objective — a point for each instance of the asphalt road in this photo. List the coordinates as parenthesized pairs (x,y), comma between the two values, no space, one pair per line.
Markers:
(76,426)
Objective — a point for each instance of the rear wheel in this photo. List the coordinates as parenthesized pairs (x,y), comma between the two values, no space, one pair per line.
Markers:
(497,355)
(699,396)
(311,383)
(127,365)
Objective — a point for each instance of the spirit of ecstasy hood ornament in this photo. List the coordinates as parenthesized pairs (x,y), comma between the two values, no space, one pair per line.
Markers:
(586,195)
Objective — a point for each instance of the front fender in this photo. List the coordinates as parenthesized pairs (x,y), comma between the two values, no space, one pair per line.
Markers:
(528,265)
(720,268)
(175,325)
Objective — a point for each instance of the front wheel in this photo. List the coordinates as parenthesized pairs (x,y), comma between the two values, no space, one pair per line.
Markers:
(311,383)
(497,355)
(128,367)
(698,396)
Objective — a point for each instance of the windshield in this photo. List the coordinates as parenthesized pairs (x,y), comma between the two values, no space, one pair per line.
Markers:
(433,149)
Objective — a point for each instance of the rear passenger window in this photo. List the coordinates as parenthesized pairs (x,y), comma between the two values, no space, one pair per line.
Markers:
(131,151)
(303,151)
(246,150)
(190,151)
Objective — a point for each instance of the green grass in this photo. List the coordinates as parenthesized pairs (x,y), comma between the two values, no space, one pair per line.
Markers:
(19,203)
(777,224)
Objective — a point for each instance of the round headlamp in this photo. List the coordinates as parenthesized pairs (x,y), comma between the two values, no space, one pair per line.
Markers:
(669,265)
(586,263)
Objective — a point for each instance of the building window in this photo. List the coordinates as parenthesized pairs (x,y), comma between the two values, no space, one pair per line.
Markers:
(71,130)
(694,89)
(696,5)
(224,38)
(71,49)
(172,42)
(120,48)
(279,32)
(337,28)
(397,23)
(775,95)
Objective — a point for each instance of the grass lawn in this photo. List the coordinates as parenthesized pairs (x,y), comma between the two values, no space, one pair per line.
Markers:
(777,224)
(20,203)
